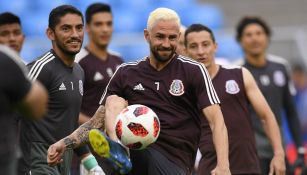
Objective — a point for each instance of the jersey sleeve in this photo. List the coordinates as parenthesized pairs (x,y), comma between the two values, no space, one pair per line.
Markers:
(13,78)
(203,87)
(114,87)
(40,73)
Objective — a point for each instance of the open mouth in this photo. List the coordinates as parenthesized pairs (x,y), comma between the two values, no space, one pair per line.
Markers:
(201,59)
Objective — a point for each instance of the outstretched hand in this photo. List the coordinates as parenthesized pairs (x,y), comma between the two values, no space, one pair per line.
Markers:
(55,153)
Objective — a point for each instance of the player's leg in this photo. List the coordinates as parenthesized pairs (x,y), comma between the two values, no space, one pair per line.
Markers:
(108,147)
(66,164)
(38,160)
(158,164)
(112,151)
(8,162)
(114,105)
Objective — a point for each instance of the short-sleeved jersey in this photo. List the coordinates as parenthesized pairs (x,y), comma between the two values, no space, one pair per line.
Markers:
(176,93)
(13,88)
(65,89)
(275,84)
(97,75)
(229,86)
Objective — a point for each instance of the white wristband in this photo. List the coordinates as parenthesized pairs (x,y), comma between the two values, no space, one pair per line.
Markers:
(301,150)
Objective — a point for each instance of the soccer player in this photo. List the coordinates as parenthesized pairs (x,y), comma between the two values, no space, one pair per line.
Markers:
(180,50)
(63,78)
(272,76)
(236,88)
(98,62)
(10,31)
(16,92)
(176,88)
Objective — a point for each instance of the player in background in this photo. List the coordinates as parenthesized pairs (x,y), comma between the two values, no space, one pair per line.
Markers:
(98,63)
(12,36)
(11,33)
(180,50)
(161,81)
(17,92)
(272,76)
(237,89)
(63,78)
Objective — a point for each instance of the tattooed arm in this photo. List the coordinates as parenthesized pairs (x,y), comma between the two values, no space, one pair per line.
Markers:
(80,136)
(77,138)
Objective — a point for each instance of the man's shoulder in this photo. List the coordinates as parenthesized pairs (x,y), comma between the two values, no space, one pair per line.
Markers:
(43,63)
(133,64)
(230,67)
(11,56)
(81,55)
(115,54)
(277,60)
(187,61)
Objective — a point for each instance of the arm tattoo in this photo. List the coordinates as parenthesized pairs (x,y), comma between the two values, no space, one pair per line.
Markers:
(96,122)
(69,143)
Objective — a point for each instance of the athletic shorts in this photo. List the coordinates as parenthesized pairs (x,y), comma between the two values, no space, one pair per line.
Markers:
(36,162)
(8,163)
(152,162)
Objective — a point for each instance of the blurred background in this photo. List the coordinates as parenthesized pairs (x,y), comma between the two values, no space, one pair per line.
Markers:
(288,19)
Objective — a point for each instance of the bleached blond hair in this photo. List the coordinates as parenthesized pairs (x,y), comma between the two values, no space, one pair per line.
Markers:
(182,29)
(162,14)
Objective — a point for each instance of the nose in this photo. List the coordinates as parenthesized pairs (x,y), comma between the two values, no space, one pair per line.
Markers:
(166,43)
(75,33)
(12,37)
(200,50)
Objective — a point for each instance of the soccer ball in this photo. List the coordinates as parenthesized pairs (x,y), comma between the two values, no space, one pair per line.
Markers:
(137,126)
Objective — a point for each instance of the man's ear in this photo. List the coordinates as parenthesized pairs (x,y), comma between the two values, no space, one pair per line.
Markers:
(50,34)
(146,35)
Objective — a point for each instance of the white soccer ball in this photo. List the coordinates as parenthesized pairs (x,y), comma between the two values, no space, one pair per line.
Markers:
(137,126)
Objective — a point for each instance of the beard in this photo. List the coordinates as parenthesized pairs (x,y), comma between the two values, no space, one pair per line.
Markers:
(64,49)
(161,58)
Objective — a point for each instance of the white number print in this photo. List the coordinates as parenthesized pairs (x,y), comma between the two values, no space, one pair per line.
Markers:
(158,85)
(72,85)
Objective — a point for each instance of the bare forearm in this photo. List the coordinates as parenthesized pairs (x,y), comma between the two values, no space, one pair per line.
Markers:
(220,139)
(80,136)
(220,134)
(273,133)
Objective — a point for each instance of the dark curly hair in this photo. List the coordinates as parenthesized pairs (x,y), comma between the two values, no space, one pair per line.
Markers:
(244,22)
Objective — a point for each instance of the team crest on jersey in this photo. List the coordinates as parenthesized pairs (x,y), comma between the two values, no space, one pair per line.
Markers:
(81,87)
(232,87)
(264,80)
(279,78)
(176,88)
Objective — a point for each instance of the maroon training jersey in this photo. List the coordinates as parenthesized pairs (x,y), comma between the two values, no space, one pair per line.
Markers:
(97,75)
(243,158)
(177,93)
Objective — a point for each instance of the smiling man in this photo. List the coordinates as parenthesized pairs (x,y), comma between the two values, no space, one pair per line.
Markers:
(63,78)
(170,91)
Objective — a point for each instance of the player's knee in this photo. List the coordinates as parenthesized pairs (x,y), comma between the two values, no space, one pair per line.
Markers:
(114,101)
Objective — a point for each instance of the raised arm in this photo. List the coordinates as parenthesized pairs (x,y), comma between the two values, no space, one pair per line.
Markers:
(220,138)
(268,121)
